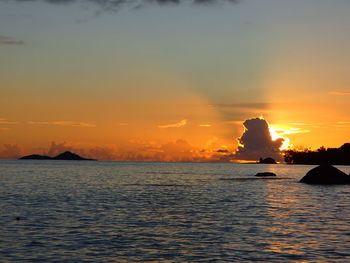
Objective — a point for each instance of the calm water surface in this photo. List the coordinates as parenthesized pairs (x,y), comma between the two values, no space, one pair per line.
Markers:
(73,211)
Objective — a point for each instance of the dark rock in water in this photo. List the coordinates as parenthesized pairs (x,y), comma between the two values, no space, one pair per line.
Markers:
(265,174)
(325,174)
(63,156)
(267,160)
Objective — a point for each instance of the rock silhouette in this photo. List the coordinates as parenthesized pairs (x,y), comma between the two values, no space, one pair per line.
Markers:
(63,156)
(265,174)
(267,160)
(325,174)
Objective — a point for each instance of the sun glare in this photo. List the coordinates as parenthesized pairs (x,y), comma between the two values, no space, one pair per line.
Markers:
(277,133)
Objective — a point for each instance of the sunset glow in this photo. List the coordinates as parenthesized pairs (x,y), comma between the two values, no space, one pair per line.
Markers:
(131,84)
(174,130)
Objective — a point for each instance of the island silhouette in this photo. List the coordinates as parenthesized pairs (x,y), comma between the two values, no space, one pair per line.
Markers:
(335,156)
(62,156)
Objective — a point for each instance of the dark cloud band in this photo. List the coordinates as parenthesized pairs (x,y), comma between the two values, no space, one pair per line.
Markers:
(113,4)
(5,40)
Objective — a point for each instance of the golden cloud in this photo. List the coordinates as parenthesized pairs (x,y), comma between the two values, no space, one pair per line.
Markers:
(63,123)
(174,125)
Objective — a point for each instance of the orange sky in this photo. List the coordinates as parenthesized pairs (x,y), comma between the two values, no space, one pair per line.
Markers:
(171,83)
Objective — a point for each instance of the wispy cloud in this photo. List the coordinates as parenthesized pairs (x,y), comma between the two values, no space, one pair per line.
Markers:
(205,125)
(339,92)
(5,40)
(343,122)
(288,131)
(113,5)
(174,125)
(298,123)
(5,121)
(63,123)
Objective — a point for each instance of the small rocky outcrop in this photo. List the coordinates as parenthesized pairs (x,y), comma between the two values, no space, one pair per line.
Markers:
(325,174)
(267,160)
(265,174)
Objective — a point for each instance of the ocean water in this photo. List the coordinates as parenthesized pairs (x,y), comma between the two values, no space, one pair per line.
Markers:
(71,211)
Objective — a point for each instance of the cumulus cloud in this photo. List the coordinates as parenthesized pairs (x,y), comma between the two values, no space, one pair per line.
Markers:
(63,123)
(174,125)
(5,40)
(116,4)
(57,148)
(10,151)
(101,153)
(257,142)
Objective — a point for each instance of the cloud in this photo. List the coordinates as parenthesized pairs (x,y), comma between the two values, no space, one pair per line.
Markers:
(5,121)
(223,151)
(113,5)
(174,125)
(172,151)
(5,40)
(339,92)
(343,122)
(205,125)
(288,131)
(57,148)
(10,151)
(63,123)
(298,123)
(257,142)
(101,153)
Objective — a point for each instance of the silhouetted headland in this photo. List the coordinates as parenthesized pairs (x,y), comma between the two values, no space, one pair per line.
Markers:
(325,174)
(63,156)
(267,160)
(335,156)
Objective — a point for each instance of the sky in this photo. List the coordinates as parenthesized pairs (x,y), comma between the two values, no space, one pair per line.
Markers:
(171,80)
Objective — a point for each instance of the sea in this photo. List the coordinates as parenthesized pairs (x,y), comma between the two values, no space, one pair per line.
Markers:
(96,211)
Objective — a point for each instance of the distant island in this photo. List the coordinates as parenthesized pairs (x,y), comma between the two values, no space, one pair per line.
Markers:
(63,156)
(335,156)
